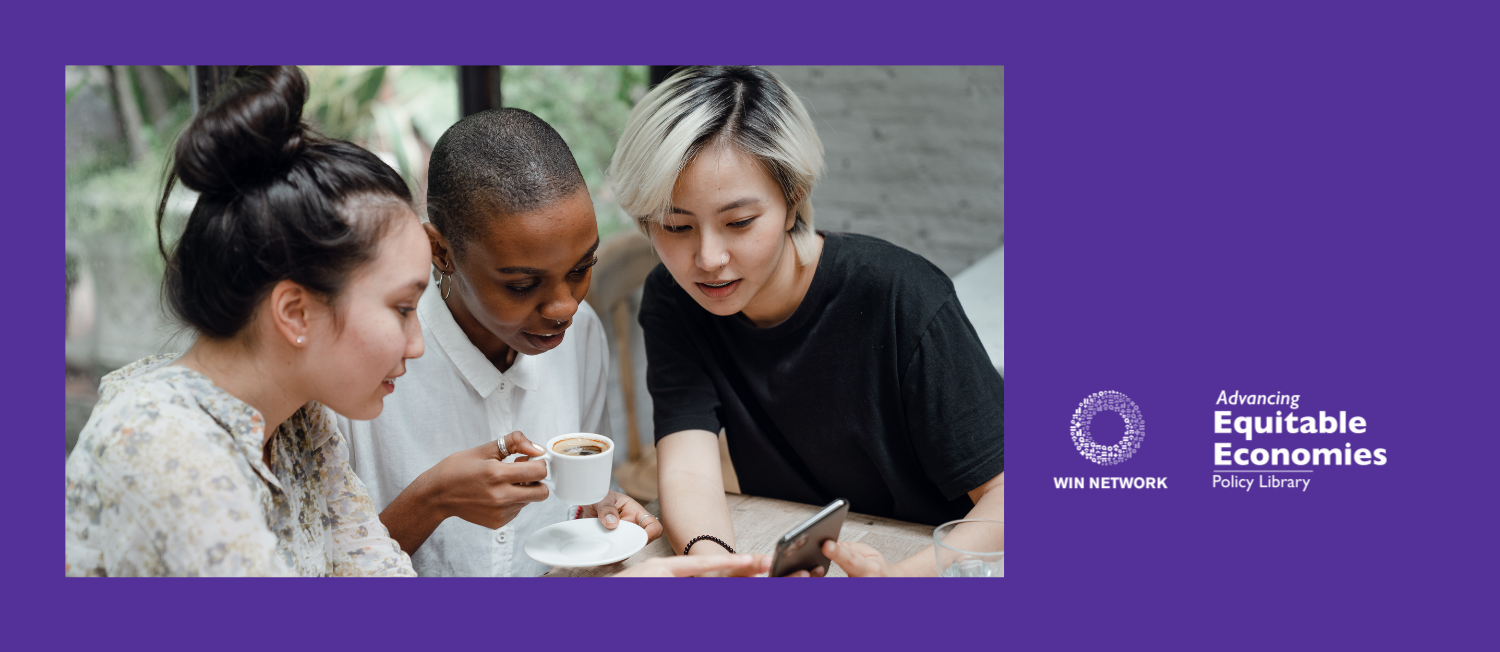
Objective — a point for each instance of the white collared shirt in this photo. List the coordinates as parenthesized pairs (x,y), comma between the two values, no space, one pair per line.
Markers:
(453,398)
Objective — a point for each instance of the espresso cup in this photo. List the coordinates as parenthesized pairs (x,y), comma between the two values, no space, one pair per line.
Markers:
(576,474)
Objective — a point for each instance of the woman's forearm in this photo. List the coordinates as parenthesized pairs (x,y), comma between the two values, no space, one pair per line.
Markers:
(412,517)
(989,504)
(692,491)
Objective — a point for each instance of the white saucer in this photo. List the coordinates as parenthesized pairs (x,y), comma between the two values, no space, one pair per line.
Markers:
(584,542)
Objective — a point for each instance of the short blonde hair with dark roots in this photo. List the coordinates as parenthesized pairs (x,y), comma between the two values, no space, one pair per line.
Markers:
(701,107)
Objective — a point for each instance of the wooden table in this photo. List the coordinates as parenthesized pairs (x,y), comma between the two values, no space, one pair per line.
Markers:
(759,522)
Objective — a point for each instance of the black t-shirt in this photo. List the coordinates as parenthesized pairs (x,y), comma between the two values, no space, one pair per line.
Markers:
(876,389)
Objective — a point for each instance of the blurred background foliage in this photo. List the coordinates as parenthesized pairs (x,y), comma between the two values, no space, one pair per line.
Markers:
(398,112)
(121,122)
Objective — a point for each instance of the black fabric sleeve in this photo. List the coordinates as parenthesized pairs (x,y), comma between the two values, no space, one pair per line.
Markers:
(682,393)
(955,405)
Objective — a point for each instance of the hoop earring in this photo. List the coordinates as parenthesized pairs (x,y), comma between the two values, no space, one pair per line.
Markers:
(440,285)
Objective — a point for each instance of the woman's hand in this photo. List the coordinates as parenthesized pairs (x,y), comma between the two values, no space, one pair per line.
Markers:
(859,560)
(618,506)
(693,566)
(476,486)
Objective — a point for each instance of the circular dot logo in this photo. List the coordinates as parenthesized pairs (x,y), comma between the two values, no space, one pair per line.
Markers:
(1108,401)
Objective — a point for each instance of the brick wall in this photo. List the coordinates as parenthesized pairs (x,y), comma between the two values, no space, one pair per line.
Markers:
(915,155)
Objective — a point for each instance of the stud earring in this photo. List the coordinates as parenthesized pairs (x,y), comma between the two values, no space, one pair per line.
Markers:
(301,339)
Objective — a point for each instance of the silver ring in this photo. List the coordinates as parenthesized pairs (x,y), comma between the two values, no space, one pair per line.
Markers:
(503,452)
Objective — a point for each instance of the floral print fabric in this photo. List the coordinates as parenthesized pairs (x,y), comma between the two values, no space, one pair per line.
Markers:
(168,478)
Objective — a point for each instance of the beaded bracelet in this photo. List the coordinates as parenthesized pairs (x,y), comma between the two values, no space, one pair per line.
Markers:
(708,537)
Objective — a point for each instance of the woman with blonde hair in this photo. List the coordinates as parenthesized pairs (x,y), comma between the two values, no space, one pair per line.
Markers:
(839,365)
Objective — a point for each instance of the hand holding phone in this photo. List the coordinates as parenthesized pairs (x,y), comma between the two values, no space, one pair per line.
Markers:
(802,548)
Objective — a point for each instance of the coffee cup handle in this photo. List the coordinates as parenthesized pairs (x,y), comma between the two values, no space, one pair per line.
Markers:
(547,481)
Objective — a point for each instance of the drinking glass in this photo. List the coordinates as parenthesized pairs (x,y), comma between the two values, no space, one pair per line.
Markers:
(970,548)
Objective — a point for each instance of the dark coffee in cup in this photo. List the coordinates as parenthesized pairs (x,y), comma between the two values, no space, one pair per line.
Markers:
(580,447)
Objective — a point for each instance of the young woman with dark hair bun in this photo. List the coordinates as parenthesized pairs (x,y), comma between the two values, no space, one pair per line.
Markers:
(300,268)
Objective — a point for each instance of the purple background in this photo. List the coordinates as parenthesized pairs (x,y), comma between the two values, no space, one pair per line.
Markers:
(1262,199)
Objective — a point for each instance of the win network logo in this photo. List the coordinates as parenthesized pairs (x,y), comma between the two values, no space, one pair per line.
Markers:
(1135,433)
(1108,401)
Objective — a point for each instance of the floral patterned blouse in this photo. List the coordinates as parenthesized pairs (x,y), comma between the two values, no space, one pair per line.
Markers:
(168,478)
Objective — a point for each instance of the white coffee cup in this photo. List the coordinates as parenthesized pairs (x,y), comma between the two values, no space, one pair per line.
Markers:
(579,479)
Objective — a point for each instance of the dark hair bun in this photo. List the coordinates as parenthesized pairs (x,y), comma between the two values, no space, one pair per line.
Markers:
(249,134)
(273,204)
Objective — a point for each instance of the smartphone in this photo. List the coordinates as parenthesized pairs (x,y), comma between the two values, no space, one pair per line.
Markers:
(802,548)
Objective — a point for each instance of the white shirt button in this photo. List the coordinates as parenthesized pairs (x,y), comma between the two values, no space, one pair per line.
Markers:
(500,536)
